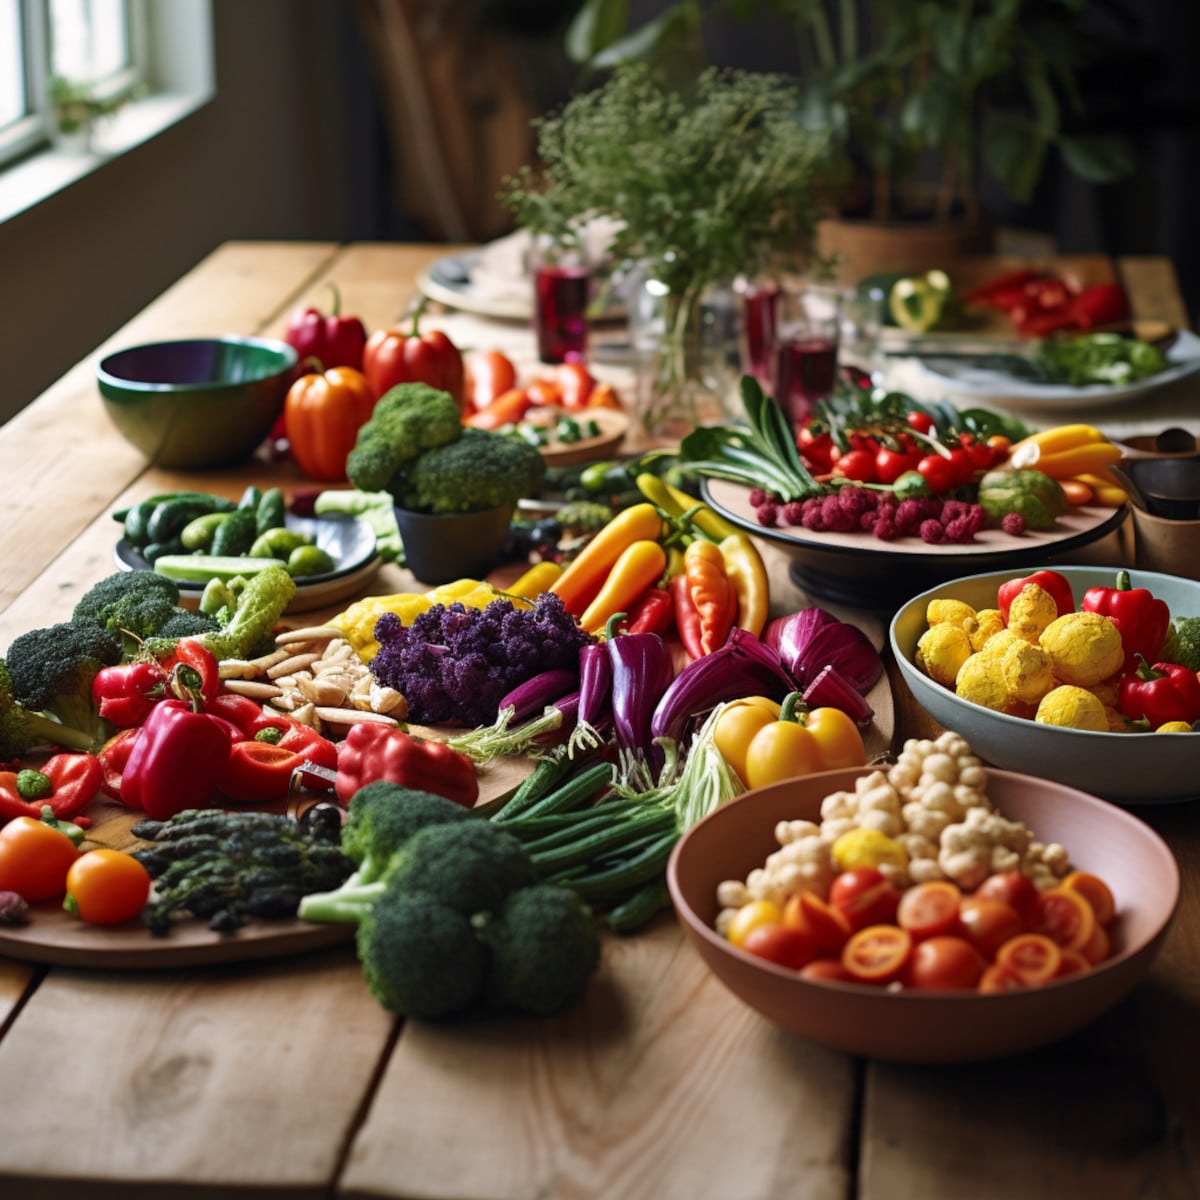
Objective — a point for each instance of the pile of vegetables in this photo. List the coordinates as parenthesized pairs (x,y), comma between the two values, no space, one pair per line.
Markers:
(1116,662)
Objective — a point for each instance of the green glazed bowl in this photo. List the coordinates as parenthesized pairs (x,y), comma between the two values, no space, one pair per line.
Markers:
(199,402)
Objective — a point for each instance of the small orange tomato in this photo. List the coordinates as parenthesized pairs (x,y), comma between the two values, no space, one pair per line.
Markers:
(321,415)
(106,887)
(34,859)
(1095,891)
(878,953)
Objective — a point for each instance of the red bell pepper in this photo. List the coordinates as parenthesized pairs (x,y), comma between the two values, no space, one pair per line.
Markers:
(394,356)
(1051,582)
(125,694)
(177,759)
(333,340)
(73,781)
(1158,694)
(248,715)
(260,768)
(1004,291)
(652,612)
(1142,619)
(372,752)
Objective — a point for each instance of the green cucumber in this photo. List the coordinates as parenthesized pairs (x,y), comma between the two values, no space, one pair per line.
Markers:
(271,511)
(198,533)
(170,516)
(235,534)
(200,568)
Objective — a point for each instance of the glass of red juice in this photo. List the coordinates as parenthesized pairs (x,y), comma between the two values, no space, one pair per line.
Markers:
(561,291)
(760,302)
(805,348)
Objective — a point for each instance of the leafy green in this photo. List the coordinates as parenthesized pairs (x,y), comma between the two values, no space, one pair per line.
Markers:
(1097,358)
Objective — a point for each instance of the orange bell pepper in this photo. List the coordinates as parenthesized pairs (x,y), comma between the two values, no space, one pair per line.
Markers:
(488,375)
(322,414)
(764,741)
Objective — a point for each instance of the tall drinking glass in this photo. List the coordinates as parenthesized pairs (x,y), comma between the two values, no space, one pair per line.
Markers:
(759,310)
(561,291)
(805,347)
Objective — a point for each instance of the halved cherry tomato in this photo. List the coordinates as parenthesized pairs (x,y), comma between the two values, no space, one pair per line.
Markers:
(1099,946)
(507,409)
(34,859)
(1065,916)
(1012,888)
(878,953)
(828,928)
(779,943)
(757,912)
(929,909)
(1073,963)
(944,963)
(1000,978)
(827,969)
(865,896)
(1095,891)
(1032,957)
(106,887)
(988,924)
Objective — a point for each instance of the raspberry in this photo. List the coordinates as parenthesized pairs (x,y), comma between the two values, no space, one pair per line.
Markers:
(758,497)
(959,530)
(867,521)
(812,519)
(885,529)
(908,516)
(856,500)
(792,512)
(1013,523)
(932,531)
(767,513)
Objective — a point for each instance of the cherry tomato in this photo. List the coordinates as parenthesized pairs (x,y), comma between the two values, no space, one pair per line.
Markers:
(106,887)
(1065,916)
(827,969)
(757,912)
(1011,888)
(944,963)
(778,943)
(962,466)
(988,924)
(1095,891)
(858,465)
(1073,963)
(929,909)
(817,448)
(999,445)
(1032,957)
(1000,978)
(922,422)
(864,896)
(938,472)
(980,454)
(826,927)
(877,953)
(34,859)
(1098,947)
(891,464)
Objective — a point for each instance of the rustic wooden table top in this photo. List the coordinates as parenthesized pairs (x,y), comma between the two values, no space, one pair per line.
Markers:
(285,1078)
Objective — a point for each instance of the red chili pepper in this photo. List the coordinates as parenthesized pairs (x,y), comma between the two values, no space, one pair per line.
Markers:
(1003,291)
(371,752)
(125,694)
(260,768)
(74,780)
(1057,586)
(395,356)
(1143,620)
(651,612)
(1100,304)
(1158,694)
(687,618)
(177,760)
(334,340)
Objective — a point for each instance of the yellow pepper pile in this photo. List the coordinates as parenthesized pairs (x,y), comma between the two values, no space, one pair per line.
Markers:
(1078,456)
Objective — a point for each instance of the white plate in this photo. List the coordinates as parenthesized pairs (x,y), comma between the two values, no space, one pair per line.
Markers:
(348,541)
(976,377)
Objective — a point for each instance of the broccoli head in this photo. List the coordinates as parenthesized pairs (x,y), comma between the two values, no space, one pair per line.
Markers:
(183,623)
(132,605)
(52,670)
(1186,647)
(21,730)
(480,470)
(544,949)
(471,866)
(407,420)
(420,957)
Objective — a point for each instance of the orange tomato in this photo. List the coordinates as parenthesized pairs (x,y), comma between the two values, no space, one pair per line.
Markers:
(1012,888)
(826,969)
(778,943)
(604,395)
(864,896)
(929,909)
(506,409)
(1095,891)
(1064,915)
(105,887)
(488,374)
(1000,978)
(988,924)
(1077,492)
(829,929)
(945,963)
(34,859)
(878,953)
(1032,957)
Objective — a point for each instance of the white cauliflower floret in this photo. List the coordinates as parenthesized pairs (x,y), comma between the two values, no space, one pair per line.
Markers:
(731,893)
(938,767)
(761,885)
(971,797)
(925,823)
(833,829)
(1046,864)
(939,797)
(924,870)
(971,849)
(888,823)
(795,831)
(896,874)
(724,920)
(839,806)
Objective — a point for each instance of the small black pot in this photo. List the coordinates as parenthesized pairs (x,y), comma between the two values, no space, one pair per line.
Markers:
(443,547)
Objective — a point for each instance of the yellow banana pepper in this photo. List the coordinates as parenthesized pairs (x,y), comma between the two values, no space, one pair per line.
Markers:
(675,502)
(745,570)
(582,579)
(538,579)
(1065,452)
(640,567)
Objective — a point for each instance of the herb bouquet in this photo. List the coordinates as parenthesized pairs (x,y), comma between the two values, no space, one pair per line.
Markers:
(702,185)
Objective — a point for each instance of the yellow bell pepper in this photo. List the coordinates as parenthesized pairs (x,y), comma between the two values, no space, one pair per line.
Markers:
(764,742)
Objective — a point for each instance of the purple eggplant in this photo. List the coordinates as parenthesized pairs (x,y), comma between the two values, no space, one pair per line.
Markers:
(743,666)
(531,698)
(642,671)
(595,682)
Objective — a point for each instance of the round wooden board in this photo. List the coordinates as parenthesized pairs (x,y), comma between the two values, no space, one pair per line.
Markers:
(613,427)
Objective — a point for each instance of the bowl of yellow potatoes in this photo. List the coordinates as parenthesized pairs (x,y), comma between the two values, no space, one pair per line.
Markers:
(1046,682)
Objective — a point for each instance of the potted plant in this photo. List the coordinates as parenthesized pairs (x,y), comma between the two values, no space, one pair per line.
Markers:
(926,101)
(699,185)
(78,106)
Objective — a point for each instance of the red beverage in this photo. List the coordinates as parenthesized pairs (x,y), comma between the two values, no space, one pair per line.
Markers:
(759,304)
(805,369)
(561,295)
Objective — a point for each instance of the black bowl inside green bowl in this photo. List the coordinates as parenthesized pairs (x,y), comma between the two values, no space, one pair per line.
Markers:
(197,402)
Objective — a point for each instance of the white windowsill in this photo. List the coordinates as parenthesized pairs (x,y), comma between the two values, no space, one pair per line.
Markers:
(43,173)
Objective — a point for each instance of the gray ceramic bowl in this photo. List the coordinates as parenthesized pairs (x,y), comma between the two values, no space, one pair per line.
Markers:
(199,402)
(442,547)
(1128,768)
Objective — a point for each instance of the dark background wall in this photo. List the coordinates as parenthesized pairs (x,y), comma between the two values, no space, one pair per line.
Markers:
(296,146)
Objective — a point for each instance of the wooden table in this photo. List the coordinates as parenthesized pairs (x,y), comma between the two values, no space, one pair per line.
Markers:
(285,1078)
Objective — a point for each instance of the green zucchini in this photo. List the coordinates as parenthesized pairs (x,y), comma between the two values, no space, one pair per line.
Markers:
(251,498)
(200,568)
(137,520)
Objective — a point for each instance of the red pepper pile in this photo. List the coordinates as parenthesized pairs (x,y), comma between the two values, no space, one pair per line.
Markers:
(1041,304)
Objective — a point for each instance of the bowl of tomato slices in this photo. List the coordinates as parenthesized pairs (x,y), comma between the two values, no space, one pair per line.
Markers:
(922,972)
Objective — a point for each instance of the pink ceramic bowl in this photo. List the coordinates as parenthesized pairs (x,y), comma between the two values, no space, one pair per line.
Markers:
(929,1027)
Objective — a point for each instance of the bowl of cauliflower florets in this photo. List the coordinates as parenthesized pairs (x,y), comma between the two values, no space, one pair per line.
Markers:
(1049,684)
(775,892)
